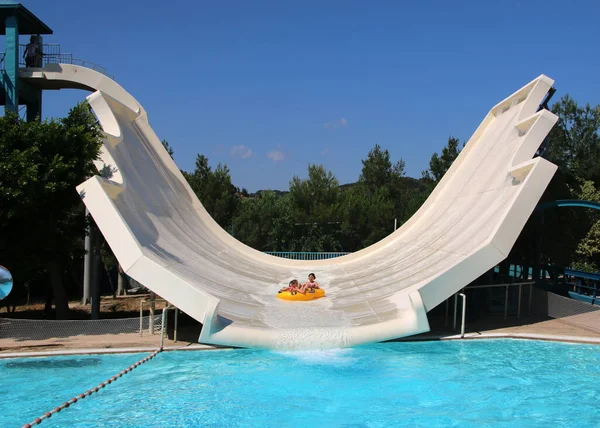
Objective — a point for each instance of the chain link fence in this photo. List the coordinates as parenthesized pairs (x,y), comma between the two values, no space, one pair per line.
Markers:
(23,329)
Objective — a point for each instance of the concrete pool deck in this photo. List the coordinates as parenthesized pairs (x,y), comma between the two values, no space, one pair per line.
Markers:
(490,328)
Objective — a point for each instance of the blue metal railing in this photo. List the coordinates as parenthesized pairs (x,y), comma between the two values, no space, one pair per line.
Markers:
(2,55)
(51,54)
(298,255)
(48,54)
(585,283)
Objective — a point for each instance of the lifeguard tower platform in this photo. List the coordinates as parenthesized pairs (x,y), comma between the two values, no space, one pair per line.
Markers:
(16,21)
(20,27)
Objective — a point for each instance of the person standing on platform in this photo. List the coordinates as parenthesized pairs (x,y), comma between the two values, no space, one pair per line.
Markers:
(32,53)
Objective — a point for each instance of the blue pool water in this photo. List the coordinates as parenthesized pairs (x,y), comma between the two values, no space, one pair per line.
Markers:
(430,384)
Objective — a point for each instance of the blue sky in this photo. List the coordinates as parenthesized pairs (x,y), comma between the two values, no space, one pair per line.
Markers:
(268,87)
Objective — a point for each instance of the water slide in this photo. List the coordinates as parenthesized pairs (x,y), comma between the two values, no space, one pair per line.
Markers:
(163,237)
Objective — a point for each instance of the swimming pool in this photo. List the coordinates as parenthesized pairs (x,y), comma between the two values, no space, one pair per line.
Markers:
(433,384)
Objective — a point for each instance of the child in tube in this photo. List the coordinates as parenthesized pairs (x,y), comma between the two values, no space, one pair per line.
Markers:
(293,287)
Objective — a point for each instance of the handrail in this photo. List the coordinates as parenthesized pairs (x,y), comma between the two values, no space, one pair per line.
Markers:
(151,306)
(164,325)
(507,284)
(582,274)
(2,56)
(464,313)
(580,282)
(306,255)
(580,285)
(51,54)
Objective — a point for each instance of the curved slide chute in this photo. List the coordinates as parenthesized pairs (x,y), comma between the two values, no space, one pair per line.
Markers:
(164,238)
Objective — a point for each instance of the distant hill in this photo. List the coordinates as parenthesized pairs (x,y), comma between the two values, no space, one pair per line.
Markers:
(260,192)
(417,184)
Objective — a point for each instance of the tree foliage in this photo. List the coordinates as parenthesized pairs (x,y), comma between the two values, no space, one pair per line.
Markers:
(168,148)
(42,218)
(215,190)
(378,171)
(42,221)
(568,236)
(317,214)
(574,142)
(440,163)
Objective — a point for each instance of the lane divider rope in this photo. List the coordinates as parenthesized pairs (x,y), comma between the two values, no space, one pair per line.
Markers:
(89,392)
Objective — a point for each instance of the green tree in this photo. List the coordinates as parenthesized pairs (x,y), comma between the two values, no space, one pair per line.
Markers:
(440,163)
(315,198)
(378,171)
(568,236)
(42,221)
(388,197)
(367,216)
(574,142)
(314,204)
(215,190)
(168,148)
(588,250)
(257,220)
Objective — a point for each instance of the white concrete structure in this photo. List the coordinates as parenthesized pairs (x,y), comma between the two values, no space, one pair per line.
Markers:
(164,238)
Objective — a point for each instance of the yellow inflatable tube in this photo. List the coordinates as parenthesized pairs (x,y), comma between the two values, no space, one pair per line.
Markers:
(296,296)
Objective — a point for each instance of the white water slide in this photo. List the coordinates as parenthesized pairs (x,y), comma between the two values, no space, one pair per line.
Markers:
(163,237)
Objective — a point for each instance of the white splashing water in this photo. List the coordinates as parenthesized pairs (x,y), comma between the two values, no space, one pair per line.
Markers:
(304,325)
(333,357)
(312,338)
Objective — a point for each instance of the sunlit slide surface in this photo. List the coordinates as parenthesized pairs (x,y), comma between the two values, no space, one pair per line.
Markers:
(163,237)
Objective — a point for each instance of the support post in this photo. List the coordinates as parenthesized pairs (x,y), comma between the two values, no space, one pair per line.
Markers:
(96,272)
(10,76)
(142,317)
(175,324)
(34,108)
(530,296)
(163,328)
(447,312)
(87,264)
(120,281)
(519,301)
(506,302)
(152,305)
(455,311)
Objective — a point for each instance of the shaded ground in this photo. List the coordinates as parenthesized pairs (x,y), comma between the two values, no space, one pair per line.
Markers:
(495,323)
(103,336)
(189,331)
(110,308)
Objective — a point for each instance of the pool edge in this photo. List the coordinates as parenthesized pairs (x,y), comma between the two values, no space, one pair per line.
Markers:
(201,347)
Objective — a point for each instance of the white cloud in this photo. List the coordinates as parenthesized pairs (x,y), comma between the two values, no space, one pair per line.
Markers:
(338,123)
(276,155)
(241,151)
